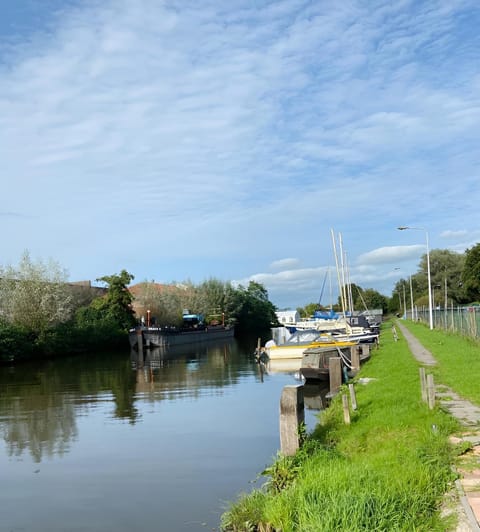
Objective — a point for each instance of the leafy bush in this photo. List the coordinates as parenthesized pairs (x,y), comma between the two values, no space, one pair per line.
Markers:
(16,343)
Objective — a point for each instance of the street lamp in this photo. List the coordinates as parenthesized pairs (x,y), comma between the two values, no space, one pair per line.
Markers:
(430,312)
(411,298)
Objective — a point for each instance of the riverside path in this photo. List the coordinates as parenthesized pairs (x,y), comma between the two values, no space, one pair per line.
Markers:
(468,414)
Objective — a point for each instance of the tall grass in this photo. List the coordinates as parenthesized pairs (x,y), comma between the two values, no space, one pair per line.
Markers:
(386,471)
(458,359)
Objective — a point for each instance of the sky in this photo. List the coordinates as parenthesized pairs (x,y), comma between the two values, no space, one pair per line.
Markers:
(185,140)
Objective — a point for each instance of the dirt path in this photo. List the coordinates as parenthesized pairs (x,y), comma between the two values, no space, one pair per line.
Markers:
(467,506)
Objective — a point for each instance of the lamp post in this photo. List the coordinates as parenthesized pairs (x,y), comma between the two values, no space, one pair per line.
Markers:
(430,311)
(411,298)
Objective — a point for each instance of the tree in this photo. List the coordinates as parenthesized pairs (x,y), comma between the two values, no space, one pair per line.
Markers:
(471,273)
(34,295)
(115,307)
(446,266)
(255,312)
(371,299)
(308,310)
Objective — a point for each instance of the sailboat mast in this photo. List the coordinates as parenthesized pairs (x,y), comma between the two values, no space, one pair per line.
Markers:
(344,281)
(349,285)
(342,295)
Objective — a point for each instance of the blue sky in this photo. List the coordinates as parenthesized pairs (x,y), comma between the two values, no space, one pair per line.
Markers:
(184,140)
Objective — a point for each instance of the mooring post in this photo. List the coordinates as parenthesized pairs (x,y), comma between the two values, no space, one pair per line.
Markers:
(335,374)
(423,384)
(346,409)
(365,350)
(430,391)
(292,416)
(140,342)
(355,357)
(353,397)
(395,335)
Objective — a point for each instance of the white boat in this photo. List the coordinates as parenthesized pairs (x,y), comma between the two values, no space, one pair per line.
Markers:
(301,340)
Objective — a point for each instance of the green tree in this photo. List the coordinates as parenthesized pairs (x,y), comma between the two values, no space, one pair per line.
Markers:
(34,295)
(308,310)
(471,273)
(115,307)
(255,311)
(445,267)
(371,299)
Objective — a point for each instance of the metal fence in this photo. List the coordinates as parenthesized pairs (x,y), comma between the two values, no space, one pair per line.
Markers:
(461,320)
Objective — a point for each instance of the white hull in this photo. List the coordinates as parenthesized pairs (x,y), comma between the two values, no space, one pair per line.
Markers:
(288,351)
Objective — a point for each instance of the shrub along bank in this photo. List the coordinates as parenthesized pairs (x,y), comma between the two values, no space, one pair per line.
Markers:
(18,343)
(388,470)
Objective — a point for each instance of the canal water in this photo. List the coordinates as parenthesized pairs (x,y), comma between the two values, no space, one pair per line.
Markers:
(108,442)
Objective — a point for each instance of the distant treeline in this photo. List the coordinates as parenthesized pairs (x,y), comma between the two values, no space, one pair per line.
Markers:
(42,315)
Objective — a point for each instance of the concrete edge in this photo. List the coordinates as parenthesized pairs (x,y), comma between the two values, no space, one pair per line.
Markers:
(466,507)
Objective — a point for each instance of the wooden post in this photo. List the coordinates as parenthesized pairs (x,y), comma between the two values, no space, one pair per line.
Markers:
(292,415)
(423,384)
(140,343)
(335,374)
(365,350)
(346,410)
(430,391)
(353,397)
(395,335)
(355,357)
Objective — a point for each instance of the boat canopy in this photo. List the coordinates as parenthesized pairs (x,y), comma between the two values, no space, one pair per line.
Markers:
(323,315)
(192,319)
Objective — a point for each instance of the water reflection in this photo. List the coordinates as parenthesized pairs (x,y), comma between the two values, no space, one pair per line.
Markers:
(40,403)
(315,396)
(194,424)
(38,426)
(186,370)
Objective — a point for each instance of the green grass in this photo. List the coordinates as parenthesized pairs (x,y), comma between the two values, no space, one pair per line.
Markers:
(386,471)
(458,359)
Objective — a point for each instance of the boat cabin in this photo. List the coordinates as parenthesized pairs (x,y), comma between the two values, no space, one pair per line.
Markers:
(193,321)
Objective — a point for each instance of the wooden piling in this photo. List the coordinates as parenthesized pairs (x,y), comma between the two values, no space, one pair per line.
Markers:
(355,357)
(430,391)
(335,374)
(292,416)
(353,397)
(140,343)
(365,350)
(423,384)
(346,410)
(395,335)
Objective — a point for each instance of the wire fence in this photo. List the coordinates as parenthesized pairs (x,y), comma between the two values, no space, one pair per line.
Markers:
(461,320)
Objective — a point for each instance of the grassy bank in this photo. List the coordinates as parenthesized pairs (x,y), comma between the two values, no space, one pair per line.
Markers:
(458,359)
(386,471)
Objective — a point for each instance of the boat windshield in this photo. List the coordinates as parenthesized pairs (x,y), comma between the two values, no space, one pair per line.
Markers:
(308,335)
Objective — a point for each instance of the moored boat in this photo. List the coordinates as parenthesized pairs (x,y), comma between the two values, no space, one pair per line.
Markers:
(299,341)
(192,331)
(316,361)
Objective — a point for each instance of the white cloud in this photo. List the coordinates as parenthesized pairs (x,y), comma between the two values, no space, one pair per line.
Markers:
(392,254)
(284,263)
(210,139)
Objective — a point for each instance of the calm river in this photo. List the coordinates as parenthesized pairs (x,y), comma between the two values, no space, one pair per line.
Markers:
(104,443)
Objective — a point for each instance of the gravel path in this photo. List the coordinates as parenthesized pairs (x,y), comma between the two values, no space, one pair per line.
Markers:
(467,506)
